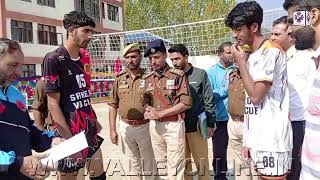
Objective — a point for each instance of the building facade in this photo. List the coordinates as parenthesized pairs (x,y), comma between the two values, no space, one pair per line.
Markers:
(37,24)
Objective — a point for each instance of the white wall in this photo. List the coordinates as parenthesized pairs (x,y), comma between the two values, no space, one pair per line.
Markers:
(113,24)
(62,7)
(35,49)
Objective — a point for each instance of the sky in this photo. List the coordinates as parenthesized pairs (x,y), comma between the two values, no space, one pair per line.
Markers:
(268,4)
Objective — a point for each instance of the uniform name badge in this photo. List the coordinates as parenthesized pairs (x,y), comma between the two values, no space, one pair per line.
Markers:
(170,84)
(124,85)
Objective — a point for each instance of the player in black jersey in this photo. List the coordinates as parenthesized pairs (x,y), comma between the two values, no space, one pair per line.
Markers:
(68,92)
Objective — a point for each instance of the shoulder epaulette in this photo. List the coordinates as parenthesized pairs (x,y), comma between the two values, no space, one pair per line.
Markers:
(147,75)
(177,71)
(121,73)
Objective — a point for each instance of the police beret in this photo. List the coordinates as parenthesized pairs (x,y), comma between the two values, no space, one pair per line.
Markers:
(130,48)
(155,46)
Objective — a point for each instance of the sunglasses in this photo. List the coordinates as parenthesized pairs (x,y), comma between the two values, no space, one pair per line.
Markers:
(300,18)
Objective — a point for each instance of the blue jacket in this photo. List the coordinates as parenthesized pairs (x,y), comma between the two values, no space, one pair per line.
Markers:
(218,77)
(18,135)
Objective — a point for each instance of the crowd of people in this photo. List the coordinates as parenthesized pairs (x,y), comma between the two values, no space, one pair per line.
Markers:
(259,104)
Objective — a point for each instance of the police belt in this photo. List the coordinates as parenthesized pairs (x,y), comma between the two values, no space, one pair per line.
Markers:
(133,122)
(175,117)
(238,118)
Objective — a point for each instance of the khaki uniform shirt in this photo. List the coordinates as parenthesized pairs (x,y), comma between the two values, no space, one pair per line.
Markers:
(40,102)
(167,90)
(127,95)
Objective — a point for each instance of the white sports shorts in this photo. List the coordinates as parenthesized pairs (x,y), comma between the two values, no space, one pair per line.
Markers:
(271,163)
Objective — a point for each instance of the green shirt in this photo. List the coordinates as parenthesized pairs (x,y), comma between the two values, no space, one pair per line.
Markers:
(202,99)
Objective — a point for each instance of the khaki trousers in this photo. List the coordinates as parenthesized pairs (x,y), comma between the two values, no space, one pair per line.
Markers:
(168,143)
(136,146)
(237,167)
(198,148)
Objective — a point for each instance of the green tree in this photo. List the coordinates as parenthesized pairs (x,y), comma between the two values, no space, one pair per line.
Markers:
(200,38)
(142,14)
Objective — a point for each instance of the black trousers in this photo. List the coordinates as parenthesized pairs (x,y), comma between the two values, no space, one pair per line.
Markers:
(298,128)
(220,144)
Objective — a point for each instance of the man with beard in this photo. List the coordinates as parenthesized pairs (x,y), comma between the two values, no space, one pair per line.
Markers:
(68,92)
(202,101)
(19,136)
(127,99)
(41,114)
(301,71)
(166,97)
(304,37)
(267,136)
(219,76)
(311,147)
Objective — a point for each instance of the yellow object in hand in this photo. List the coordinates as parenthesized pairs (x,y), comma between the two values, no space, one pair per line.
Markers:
(246,48)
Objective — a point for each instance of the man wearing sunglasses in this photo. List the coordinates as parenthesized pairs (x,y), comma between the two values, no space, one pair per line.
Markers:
(304,37)
(309,11)
(300,70)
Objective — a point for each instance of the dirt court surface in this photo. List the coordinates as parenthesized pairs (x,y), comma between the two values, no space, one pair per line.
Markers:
(110,151)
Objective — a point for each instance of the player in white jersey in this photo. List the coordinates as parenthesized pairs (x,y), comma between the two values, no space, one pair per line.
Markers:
(267,137)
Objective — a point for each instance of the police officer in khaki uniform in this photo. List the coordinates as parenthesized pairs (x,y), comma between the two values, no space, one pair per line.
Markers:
(41,114)
(127,98)
(166,98)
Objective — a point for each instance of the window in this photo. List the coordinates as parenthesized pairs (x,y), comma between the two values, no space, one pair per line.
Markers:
(47,34)
(90,7)
(114,43)
(113,13)
(50,3)
(103,11)
(21,31)
(95,10)
(28,70)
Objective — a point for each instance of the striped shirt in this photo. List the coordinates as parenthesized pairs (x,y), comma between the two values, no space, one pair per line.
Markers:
(310,157)
(300,70)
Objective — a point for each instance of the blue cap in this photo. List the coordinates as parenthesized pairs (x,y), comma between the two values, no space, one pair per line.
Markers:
(155,46)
